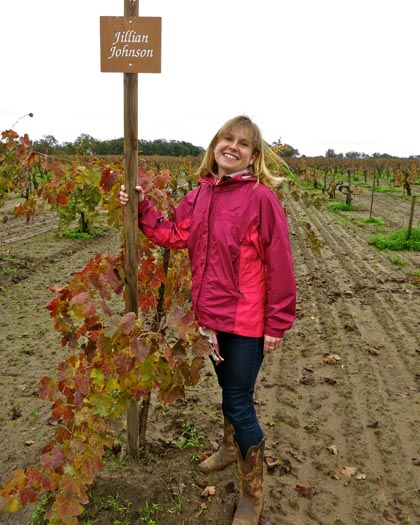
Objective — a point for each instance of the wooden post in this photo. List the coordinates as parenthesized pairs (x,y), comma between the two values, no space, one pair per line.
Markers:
(410,222)
(131,8)
(372,194)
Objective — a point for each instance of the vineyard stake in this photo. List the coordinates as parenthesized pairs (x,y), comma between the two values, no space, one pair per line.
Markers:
(131,45)
(372,194)
(131,8)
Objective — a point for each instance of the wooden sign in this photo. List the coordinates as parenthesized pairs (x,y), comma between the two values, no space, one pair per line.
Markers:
(131,44)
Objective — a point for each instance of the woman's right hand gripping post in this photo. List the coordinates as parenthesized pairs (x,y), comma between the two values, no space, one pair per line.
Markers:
(123,196)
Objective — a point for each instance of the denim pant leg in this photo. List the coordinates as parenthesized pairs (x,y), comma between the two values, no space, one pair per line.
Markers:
(237,375)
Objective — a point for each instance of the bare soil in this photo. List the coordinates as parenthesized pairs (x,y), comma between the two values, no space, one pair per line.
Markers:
(339,404)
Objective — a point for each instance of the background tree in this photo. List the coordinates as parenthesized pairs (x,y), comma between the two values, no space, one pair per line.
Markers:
(284,150)
(47,144)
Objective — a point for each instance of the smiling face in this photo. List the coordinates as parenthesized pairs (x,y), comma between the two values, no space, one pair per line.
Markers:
(234,151)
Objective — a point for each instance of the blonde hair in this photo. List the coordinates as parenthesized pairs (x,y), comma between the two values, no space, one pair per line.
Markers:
(258,146)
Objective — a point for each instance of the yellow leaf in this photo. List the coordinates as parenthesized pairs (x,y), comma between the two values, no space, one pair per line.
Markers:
(14,505)
(112,385)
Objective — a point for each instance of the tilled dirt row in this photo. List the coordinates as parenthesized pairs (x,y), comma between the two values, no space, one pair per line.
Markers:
(349,388)
(15,229)
(29,346)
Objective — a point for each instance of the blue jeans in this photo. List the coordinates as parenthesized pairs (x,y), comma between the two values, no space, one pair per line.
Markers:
(237,375)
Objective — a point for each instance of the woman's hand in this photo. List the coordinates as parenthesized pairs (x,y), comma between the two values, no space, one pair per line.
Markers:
(123,196)
(271,343)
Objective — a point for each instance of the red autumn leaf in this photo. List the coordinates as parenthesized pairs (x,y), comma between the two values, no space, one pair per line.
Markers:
(53,460)
(105,308)
(127,323)
(138,349)
(162,179)
(108,179)
(89,310)
(177,351)
(67,505)
(187,324)
(62,434)
(81,298)
(47,389)
(196,365)
(83,385)
(62,199)
(124,363)
(38,479)
(62,412)
(200,347)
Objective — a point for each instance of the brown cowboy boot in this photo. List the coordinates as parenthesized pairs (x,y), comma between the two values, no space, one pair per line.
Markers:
(251,497)
(224,456)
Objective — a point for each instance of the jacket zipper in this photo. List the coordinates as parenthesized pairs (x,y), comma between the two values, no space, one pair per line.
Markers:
(207,248)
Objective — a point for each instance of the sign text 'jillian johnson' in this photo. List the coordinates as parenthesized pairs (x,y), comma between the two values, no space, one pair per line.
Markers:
(123,45)
(131,44)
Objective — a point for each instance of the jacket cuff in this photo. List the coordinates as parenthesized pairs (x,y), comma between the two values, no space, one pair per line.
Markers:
(274,333)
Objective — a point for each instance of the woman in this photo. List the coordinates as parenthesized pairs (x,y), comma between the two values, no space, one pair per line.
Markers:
(243,285)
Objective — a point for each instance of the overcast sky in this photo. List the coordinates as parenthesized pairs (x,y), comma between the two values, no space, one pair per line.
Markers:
(319,74)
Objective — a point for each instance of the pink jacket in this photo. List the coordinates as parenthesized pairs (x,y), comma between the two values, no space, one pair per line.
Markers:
(238,243)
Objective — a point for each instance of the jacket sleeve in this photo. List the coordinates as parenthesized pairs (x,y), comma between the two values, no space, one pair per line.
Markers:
(163,232)
(280,309)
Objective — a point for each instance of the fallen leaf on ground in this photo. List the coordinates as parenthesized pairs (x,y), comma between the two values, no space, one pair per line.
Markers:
(307,492)
(332,449)
(271,462)
(285,467)
(334,475)
(307,380)
(209,491)
(331,359)
(348,471)
(295,454)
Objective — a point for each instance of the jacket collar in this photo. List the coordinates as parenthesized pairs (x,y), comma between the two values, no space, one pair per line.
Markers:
(238,176)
